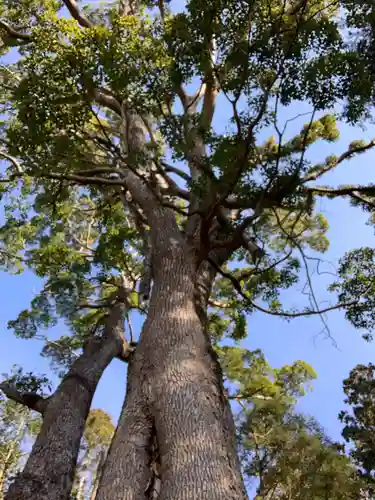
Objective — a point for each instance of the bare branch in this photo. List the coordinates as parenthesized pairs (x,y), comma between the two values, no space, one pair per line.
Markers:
(13,160)
(131,330)
(239,237)
(363,200)
(106,99)
(342,191)
(240,397)
(171,187)
(177,171)
(245,274)
(308,312)
(14,33)
(76,13)
(210,90)
(98,170)
(331,165)
(30,399)
(283,314)
(218,303)
(71,177)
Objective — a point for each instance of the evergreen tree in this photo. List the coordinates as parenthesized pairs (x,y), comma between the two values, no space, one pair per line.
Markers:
(359,421)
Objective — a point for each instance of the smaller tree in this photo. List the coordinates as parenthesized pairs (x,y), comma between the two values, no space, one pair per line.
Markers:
(97,437)
(359,422)
(288,453)
(17,425)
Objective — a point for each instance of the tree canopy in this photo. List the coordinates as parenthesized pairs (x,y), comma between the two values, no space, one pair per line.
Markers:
(133,135)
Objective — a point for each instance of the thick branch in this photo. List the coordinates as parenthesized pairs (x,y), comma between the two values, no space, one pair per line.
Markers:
(76,13)
(239,234)
(13,161)
(106,99)
(13,33)
(29,399)
(211,89)
(342,191)
(99,181)
(174,170)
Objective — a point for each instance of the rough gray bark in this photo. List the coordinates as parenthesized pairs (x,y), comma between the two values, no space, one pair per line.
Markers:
(126,473)
(49,471)
(179,379)
(193,421)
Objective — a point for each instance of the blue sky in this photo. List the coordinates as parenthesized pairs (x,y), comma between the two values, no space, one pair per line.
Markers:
(283,342)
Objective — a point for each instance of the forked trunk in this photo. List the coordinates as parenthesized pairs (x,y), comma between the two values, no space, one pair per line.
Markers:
(49,470)
(179,379)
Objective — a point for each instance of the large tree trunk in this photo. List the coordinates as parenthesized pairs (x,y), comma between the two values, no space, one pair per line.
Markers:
(50,468)
(179,378)
(126,472)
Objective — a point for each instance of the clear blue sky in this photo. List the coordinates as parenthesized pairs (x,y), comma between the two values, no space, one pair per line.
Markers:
(281,341)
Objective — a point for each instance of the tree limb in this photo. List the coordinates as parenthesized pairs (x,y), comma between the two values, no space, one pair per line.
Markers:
(329,166)
(106,99)
(76,13)
(299,314)
(350,190)
(211,89)
(13,33)
(284,314)
(174,170)
(239,234)
(30,399)
(99,181)
(245,274)
(13,160)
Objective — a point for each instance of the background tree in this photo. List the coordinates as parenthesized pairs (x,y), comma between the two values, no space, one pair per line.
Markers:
(359,421)
(96,107)
(97,437)
(284,452)
(18,427)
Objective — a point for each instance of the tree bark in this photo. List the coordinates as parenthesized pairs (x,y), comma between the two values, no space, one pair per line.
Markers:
(126,472)
(49,470)
(181,383)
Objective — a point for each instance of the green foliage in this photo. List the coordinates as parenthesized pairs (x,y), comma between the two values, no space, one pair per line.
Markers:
(72,219)
(359,421)
(99,429)
(286,452)
(78,237)
(249,375)
(17,423)
(356,288)
(28,382)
